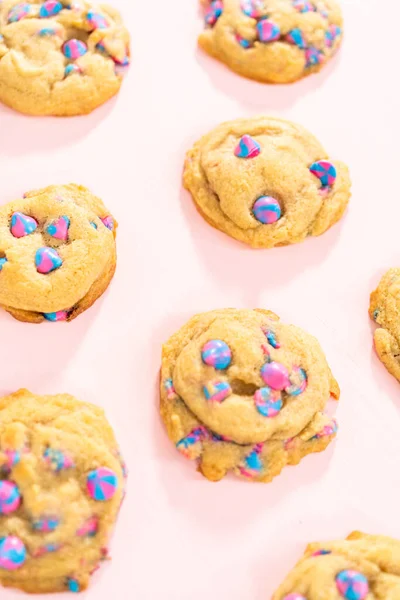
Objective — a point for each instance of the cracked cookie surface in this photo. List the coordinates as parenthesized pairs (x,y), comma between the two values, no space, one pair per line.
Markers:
(57,253)
(61,487)
(272,41)
(60,58)
(243,393)
(361,567)
(385,311)
(266,182)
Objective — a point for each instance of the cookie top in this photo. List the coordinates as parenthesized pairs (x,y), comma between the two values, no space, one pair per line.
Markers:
(385,311)
(60,57)
(247,377)
(360,567)
(61,486)
(275,41)
(266,182)
(55,243)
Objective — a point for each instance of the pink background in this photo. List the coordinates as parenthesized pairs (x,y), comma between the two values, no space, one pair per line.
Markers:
(180,537)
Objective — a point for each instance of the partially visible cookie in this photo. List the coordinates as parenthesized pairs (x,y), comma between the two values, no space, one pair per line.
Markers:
(60,57)
(385,311)
(362,567)
(272,41)
(61,487)
(266,182)
(243,393)
(57,253)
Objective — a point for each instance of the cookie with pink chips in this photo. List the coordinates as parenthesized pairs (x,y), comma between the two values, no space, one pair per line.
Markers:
(62,482)
(266,182)
(242,392)
(272,41)
(60,57)
(57,253)
(361,567)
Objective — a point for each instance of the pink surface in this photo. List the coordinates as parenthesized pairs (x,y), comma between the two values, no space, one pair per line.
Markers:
(180,537)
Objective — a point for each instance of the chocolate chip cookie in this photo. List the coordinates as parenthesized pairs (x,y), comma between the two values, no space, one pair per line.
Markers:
(243,393)
(272,41)
(266,182)
(57,253)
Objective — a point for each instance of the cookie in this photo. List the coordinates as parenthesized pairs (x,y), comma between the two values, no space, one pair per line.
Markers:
(243,393)
(61,486)
(61,57)
(385,311)
(57,253)
(266,182)
(361,567)
(272,41)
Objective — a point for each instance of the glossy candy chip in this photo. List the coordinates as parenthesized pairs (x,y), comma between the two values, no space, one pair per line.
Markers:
(253,464)
(294,597)
(334,31)
(329,429)
(46,524)
(243,42)
(275,375)
(352,585)
(321,553)
(298,382)
(247,147)
(102,484)
(50,9)
(71,69)
(59,228)
(268,31)
(89,528)
(325,171)
(96,20)
(12,553)
(108,222)
(271,337)
(10,498)
(314,57)
(19,12)
(22,225)
(47,259)
(57,460)
(191,445)
(74,49)
(73,585)
(252,8)
(268,402)
(214,12)
(3,261)
(267,210)
(296,37)
(217,391)
(47,32)
(217,354)
(61,315)
(304,6)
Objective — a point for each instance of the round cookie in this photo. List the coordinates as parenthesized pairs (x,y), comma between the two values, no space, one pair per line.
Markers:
(61,487)
(385,311)
(243,393)
(266,182)
(361,567)
(61,57)
(57,253)
(272,41)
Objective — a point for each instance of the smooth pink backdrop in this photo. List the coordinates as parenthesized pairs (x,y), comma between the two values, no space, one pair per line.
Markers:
(180,537)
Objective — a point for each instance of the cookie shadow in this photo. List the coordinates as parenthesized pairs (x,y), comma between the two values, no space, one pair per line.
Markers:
(36,354)
(26,134)
(236,265)
(210,504)
(262,96)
